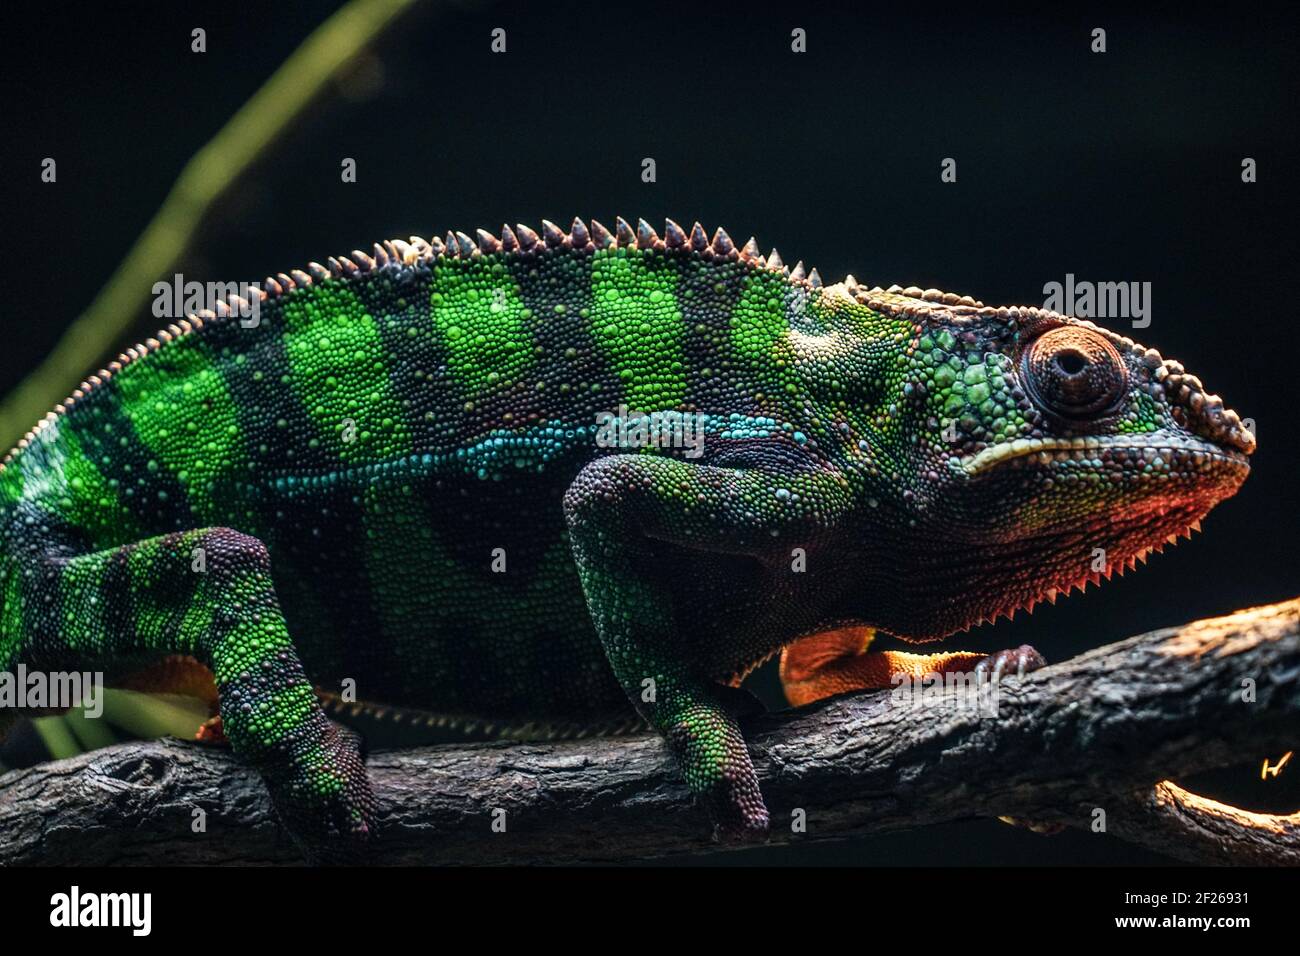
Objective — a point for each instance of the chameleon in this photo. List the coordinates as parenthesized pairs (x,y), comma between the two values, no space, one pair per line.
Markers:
(454,474)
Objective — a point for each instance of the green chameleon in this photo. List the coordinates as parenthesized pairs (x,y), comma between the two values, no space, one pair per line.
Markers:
(529,479)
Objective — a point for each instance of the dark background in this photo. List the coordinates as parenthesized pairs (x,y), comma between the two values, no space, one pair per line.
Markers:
(1123,166)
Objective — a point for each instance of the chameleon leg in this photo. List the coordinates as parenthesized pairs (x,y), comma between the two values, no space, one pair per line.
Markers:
(618,509)
(208,593)
(837,662)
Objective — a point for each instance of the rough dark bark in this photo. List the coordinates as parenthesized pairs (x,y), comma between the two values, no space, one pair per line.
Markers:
(1100,731)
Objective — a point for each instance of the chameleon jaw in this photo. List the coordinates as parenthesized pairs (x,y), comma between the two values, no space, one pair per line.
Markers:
(1063,585)
(1083,447)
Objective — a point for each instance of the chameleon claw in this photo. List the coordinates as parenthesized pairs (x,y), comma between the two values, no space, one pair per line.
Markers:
(1018,660)
(212,732)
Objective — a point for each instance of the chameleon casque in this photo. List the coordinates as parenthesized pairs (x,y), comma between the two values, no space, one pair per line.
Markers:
(349,467)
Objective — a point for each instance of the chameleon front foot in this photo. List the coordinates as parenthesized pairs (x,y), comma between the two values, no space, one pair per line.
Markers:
(716,764)
(1015,660)
(736,825)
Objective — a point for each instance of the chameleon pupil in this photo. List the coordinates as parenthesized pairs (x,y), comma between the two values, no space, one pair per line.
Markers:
(1071,363)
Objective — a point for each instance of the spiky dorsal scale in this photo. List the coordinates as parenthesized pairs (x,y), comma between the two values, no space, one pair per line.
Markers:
(417,252)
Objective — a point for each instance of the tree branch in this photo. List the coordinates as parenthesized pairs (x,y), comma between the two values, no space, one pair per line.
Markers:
(1100,731)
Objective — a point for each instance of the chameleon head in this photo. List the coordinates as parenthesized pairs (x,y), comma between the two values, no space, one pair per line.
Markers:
(1049,454)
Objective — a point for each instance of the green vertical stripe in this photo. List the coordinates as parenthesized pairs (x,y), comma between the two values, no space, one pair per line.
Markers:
(336,355)
(760,334)
(85,603)
(11,611)
(636,319)
(63,477)
(399,554)
(758,323)
(183,413)
(482,325)
(151,568)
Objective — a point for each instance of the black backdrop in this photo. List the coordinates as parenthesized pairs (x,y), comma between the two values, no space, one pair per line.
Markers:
(1118,166)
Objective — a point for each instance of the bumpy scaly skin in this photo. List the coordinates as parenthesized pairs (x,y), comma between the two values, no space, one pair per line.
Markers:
(347,467)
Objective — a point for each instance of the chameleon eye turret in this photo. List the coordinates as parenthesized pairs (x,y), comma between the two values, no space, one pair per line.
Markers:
(1073,372)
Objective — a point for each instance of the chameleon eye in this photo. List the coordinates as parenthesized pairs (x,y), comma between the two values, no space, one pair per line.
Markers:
(1073,372)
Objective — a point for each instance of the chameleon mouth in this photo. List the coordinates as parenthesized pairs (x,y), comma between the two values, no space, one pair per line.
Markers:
(1156,452)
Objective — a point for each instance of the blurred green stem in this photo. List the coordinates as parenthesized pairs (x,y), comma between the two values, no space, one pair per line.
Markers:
(154,715)
(321,58)
(57,737)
